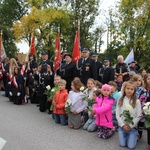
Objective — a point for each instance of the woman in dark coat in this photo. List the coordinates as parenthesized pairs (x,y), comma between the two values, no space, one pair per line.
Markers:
(67,71)
(45,78)
(16,93)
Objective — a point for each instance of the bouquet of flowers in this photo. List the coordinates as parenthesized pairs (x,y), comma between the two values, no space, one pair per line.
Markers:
(126,114)
(48,91)
(87,98)
(53,91)
(68,105)
(146,110)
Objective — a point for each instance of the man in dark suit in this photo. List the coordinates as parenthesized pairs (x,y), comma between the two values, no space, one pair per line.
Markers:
(67,70)
(45,61)
(98,63)
(48,77)
(106,73)
(86,67)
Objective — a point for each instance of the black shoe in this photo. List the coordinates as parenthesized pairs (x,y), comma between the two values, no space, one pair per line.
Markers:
(50,112)
(38,105)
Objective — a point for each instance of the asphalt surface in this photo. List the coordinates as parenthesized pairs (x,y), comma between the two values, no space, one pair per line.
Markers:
(24,127)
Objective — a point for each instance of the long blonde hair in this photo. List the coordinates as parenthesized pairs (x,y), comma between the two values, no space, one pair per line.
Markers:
(145,81)
(133,97)
(13,64)
(136,77)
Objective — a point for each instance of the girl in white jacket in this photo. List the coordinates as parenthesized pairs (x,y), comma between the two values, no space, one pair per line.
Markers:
(128,122)
(77,104)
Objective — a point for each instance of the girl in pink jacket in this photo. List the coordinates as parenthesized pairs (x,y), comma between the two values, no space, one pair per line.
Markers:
(103,111)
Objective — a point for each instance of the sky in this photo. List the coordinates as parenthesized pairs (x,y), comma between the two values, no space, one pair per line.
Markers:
(105,5)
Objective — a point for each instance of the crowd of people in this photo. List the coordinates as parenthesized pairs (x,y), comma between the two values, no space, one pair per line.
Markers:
(88,94)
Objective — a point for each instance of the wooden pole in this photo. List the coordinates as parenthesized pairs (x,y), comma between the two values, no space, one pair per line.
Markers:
(1,44)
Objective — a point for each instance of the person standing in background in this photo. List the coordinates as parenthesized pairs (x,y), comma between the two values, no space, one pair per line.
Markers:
(106,73)
(67,71)
(98,63)
(122,68)
(86,67)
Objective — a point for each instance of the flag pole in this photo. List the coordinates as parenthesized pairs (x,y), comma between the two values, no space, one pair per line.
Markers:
(59,35)
(1,44)
(79,32)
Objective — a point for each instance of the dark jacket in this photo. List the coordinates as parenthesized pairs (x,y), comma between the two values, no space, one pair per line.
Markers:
(67,72)
(98,66)
(46,62)
(122,68)
(86,70)
(106,74)
(32,64)
(44,80)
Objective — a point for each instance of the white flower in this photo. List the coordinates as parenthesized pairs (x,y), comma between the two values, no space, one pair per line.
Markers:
(82,88)
(145,108)
(147,104)
(128,107)
(53,90)
(69,101)
(48,87)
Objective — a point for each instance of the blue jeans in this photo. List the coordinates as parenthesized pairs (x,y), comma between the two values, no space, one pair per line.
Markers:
(60,119)
(90,125)
(115,122)
(128,139)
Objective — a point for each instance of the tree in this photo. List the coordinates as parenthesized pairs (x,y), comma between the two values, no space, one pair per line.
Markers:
(10,11)
(43,23)
(134,25)
(45,16)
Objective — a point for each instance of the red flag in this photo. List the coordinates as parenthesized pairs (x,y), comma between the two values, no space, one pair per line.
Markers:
(32,46)
(76,51)
(57,53)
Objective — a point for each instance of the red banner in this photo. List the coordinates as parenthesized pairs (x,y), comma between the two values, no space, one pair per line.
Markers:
(57,53)
(32,46)
(76,50)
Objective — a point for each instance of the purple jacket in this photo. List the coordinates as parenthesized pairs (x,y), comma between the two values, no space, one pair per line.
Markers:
(103,111)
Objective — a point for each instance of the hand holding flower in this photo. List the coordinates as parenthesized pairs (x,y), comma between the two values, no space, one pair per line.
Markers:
(126,128)
(68,105)
(92,111)
(91,115)
(75,112)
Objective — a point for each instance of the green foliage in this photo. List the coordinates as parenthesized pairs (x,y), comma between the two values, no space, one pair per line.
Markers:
(45,20)
(147,122)
(134,21)
(10,11)
(128,27)
(128,119)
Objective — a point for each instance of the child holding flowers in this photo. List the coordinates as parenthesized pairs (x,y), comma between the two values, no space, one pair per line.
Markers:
(59,101)
(77,104)
(103,111)
(128,114)
(88,95)
(116,95)
(52,93)
(90,124)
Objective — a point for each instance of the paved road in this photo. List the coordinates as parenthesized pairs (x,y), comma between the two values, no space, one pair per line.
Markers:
(25,128)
